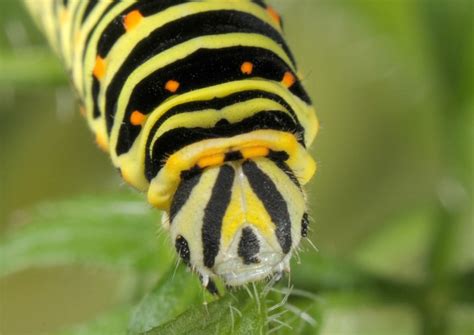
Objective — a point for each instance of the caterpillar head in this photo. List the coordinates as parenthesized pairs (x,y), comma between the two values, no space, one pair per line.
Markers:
(239,221)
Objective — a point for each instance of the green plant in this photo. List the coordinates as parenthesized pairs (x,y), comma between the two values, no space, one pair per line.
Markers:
(411,275)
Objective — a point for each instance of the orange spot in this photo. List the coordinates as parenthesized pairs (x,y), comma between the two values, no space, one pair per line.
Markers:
(274,14)
(137,118)
(212,160)
(132,19)
(288,79)
(172,86)
(99,68)
(102,142)
(246,68)
(252,152)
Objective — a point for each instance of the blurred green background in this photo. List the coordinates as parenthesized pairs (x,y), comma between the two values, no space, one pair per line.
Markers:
(392,81)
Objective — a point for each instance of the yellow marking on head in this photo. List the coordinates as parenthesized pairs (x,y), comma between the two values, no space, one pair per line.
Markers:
(257,215)
(233,219)
(172,86)
(137,118)
(245,209)
(102,142)
(132,19)
(288,79)
(212,160)
(251,152)
(246,68)
(274,14)
(99,67)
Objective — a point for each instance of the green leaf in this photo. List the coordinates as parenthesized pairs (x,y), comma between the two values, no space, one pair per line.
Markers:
(461,319)
(111,323)
(117,231)
(303,314)
(463,240)
(176,291)
(322,272)
(30,67)
(400,249)
(397,20)
(463,288)
(365,318)
(232,314)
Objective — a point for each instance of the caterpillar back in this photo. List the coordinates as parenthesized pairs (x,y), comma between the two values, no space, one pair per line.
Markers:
(200,106)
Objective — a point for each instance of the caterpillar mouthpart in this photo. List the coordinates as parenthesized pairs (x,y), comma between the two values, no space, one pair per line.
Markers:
(233,274)
(250,258)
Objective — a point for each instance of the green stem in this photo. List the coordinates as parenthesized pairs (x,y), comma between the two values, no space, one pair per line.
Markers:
(437,296)
(443,20)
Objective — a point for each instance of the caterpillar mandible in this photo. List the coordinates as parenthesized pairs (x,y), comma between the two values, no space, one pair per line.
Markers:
(198,104)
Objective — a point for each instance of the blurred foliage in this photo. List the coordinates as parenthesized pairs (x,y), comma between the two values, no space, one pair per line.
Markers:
(393,82)
(97,231)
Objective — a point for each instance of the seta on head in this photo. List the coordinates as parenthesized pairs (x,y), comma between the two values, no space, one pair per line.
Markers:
(240,216)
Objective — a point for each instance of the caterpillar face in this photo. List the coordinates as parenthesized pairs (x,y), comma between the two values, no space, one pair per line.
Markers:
(239,221)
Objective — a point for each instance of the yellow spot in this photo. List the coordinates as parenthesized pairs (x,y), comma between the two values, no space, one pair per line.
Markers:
(274,14)
(172,86)
(213,160)
(102,142)
(137,118)
(99,68)
(247,68)
(132,19)
(251,152)
(288,79)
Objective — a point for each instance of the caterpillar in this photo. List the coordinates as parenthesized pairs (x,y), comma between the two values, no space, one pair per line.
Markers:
(199,105)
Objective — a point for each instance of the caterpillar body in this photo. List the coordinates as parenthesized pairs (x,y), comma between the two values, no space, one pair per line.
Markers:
(199,105)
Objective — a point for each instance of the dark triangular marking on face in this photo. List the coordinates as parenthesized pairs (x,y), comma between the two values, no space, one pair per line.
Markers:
(249,246)
(214,214)
(272,200)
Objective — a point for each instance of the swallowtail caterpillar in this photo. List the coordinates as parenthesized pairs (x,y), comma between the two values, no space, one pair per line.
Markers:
(198,104)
